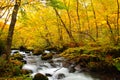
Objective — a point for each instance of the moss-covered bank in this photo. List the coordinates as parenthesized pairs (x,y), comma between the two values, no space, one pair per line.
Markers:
(104,59)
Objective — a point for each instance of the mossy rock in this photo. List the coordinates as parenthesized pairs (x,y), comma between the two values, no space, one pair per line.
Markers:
(46,56)
(37,52)
(40,76)
(16,56)
(24,71)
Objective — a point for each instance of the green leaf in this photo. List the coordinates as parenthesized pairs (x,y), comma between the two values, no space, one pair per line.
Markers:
(57,4)
(117,65)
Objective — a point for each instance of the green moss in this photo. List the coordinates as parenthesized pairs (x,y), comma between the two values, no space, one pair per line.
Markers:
(95,58)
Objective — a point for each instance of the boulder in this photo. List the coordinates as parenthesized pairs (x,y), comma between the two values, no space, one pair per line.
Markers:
(60,73)
(71,68)
(48,74)
(38,52)
(52,63)
(40,76)
(46,56)
(33,68)
(60,76)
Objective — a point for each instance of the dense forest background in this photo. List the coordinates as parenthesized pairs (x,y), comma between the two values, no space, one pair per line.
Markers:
(57,23)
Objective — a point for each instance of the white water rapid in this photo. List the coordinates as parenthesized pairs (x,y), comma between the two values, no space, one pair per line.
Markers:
(36,65)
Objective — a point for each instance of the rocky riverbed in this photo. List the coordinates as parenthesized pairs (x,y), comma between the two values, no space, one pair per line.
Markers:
(54,69)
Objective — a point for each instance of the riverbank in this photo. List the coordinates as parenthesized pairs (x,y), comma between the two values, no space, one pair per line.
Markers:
(100,59)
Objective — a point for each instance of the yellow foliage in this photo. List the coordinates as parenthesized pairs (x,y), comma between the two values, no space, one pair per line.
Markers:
(37,24)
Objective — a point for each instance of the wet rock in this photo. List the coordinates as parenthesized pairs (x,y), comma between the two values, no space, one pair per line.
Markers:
(24,61)
(71,68)
(33,68)
(77,67)
(66,64)
(60,73)
(40,76)
(43,66)
(47,74)
(17,56)
(52,63)
(47,56)
(60,76)
(37,52)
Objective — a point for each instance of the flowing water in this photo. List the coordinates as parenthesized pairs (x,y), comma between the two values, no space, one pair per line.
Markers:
(57,72)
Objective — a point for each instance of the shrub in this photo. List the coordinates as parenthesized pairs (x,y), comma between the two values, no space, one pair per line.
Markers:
(8,69)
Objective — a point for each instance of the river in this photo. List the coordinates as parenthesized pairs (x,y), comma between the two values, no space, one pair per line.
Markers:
(37,65)
(56,71)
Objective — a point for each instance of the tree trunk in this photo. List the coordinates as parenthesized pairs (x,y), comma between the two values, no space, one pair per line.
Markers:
(111,31)
(69,17)
(64,25)
(95,19)
(60,32)
(11,28)
(117,29)
(78,18)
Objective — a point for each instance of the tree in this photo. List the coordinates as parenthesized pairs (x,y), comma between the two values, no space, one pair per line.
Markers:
(111,16)
(59,5)
(11,27)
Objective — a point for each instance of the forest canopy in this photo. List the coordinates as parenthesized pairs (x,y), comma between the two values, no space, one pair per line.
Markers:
(44,23)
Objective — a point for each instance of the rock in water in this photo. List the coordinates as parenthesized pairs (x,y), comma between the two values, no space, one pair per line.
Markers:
(61,73)
(60,76)
(33,68)
(49,75)
(40,76)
